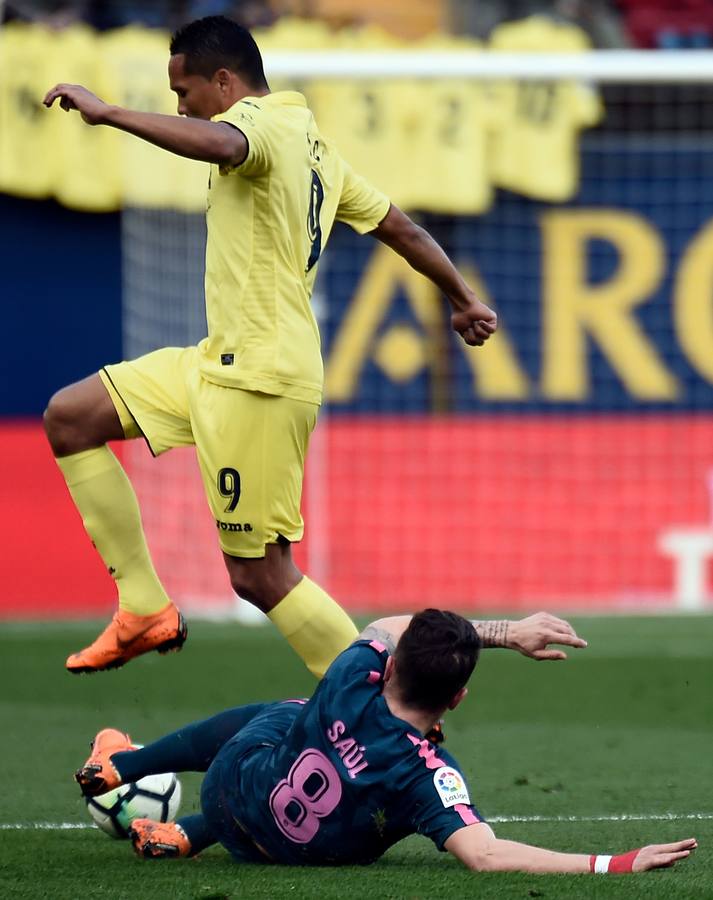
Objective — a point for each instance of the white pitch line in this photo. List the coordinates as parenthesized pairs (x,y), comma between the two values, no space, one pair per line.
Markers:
(43,826)
(623,817)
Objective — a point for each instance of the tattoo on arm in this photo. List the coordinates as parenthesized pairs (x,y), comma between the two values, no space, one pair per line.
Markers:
(494,633)
(370,633)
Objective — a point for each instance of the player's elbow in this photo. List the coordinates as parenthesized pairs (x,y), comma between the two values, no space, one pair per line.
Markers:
(482,861)
(412,243)
(397,230)
(229,146)
(483,855)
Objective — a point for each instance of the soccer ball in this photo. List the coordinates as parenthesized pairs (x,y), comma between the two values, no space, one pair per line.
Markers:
(154,797)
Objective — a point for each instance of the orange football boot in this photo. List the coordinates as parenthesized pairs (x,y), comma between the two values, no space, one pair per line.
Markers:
(98,775)
(129,635)
(159,840)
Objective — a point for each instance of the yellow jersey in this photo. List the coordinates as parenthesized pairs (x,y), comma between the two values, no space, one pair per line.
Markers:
(535,148)
(446,157)
(86,158)
(268,221)
(27,134)
(370,120)
(134,63)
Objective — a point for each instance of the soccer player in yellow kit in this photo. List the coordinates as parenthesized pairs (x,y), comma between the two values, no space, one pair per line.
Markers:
(248,395)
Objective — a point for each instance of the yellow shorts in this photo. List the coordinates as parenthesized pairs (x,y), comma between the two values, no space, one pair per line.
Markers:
(251,446)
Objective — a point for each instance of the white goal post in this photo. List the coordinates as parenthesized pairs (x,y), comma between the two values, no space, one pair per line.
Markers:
(601,66)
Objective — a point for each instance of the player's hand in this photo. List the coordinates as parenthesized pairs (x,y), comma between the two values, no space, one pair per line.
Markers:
(532,636)
(74,96)
(661,856)
(475,324)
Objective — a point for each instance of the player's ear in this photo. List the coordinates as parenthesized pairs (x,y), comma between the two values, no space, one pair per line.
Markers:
(389,670)
(461,695)
(222,78)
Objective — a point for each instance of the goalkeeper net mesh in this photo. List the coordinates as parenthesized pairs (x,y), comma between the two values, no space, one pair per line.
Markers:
(569,462)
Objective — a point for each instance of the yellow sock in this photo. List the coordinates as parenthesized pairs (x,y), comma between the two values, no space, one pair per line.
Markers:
(107,503)
(314,625)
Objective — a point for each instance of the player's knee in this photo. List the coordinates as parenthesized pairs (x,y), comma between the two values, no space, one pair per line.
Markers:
(54,420)
(247,586)
(258,587)
(62,425)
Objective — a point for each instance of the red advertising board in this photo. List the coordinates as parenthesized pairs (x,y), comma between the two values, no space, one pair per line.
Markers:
(471,512)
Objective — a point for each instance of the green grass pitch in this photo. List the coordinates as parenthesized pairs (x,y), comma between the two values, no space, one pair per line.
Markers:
(624,728)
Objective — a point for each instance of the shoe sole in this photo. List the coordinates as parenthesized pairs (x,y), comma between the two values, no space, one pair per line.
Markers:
(172,645)
(152,849)
(90,783)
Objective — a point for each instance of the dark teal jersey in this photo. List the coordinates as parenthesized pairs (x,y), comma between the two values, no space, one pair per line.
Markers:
(337,779)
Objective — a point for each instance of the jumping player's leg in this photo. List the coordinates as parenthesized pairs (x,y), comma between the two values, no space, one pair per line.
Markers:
(253,481)
(79,421)
(312,623)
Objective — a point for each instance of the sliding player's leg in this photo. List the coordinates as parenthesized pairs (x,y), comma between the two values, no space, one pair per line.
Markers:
(253,480)
(115,760)
(186,836)
(79,421)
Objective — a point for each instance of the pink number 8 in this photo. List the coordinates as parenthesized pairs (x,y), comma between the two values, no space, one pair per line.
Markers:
(310,792)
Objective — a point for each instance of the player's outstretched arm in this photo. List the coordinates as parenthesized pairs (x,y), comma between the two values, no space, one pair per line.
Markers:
(531,636)
(214,142)
(477,847)
(473,320)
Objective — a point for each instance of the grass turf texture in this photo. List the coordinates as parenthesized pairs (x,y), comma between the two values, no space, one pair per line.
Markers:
(624,727)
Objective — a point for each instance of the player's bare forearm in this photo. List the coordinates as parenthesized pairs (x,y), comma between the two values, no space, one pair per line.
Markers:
(477,847)
(493,632)
(511,856)
(471,319)
(424,255)
(389,630)
(531,636)
(212,142)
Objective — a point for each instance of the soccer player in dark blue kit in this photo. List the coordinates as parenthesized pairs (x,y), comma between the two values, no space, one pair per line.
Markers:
(342,777)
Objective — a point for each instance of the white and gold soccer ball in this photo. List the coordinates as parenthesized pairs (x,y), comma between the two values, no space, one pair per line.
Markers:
(154,797)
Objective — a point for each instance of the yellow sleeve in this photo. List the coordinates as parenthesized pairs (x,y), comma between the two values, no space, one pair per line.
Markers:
(254,122)
(360,205)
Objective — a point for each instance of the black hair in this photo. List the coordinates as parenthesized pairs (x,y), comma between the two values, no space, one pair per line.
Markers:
(434,658)
(217,42)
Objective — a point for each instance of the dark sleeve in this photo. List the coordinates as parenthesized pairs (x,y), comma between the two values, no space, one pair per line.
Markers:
(441,801)
(362,663)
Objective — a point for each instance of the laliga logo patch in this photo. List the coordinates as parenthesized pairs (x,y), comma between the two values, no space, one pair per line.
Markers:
(450,786)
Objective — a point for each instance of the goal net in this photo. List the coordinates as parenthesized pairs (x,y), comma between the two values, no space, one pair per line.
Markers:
(569,462)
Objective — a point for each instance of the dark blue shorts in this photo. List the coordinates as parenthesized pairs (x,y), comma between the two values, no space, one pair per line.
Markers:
(215,794)
(223,800)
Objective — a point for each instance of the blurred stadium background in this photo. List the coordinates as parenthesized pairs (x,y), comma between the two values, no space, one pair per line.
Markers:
(566,164)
